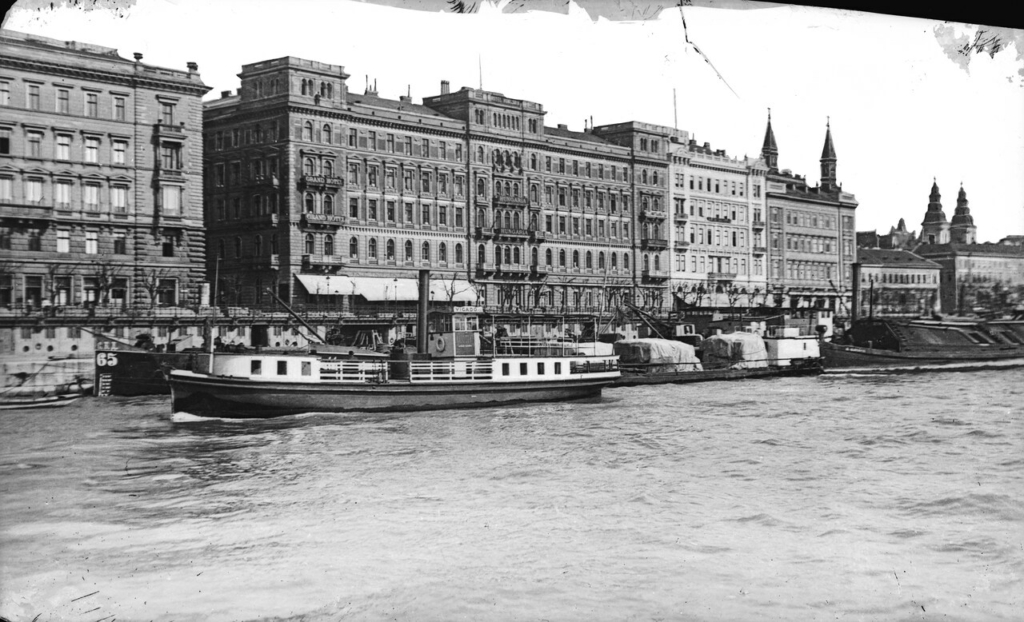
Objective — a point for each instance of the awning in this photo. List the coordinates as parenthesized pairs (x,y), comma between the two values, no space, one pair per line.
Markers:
(383,288)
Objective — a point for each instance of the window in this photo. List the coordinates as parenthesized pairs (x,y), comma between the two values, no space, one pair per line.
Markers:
(33,97)
(442,252)
(167,292)
(389,250)
(120,244)
(458,253)
(170,156)
(328,205)
(35,145)
(353,208)
(63,99)
(35,241)
(328,245)
(5,93)
(167,245)
(353,248)
(372,248)
(91,197)
(121,151)
(408,250)
(92,150)
(62,194)
(119,108)
(425,252)
(167,114)
(63,241)
(92,105)
(91,243)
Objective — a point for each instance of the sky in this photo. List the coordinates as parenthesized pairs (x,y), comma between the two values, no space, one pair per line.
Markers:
(904,107)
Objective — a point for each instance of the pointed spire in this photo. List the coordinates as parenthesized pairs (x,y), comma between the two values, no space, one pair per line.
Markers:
(770,149)
(828,161)
(829,150)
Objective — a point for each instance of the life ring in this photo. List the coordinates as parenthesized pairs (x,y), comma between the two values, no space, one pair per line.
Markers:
(440,344)
(391,341)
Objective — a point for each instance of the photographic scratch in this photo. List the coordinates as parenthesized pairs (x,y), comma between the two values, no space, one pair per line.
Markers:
(686,36)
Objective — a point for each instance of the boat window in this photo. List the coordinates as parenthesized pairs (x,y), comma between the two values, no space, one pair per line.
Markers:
(504,369)
(1011,337)
(282,368)
(558,368)
(307,368)
(523,369)
(256,368)
(978,338)
(540,369)
(459,322)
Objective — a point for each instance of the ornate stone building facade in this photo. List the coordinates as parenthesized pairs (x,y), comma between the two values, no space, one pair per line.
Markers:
(811,233)
(718,216)
(100,178)
(327,196)
(896,283)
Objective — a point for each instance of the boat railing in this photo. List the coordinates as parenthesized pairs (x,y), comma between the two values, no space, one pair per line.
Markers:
(602,364)
(354,371)
(447,371)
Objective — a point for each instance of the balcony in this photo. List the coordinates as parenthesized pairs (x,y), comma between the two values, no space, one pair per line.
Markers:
(321,181)
(539,236)
(323,260)
(30,211)
(653,214)
(757,224)
(484,233)
(265,180)
(513,268)
(169,132)
(721,276)
(511,234)
(655,275)
(168,174)
(322,220)
(681,217)
(504,201)
(540,270)
(266,262)
(722,219)
(760,250)
(653,244)
(681,245)
(483,267)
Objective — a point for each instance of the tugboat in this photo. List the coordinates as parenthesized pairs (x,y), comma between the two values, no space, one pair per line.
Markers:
(448,370)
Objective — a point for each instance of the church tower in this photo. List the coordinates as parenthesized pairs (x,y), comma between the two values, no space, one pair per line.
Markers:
(770,150)
(961,228)
(935,228)
(828,162)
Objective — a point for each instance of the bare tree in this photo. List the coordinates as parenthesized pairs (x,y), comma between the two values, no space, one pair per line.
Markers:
(150,281)
(451,287)
(732,295)
(106,273)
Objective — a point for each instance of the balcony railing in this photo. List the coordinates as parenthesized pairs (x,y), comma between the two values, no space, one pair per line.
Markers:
(263,261)
(517,201)
(484,233)
(681,245)
(483,267)
(265,180)
(757,223)
(653,244)
(513,268)
(540,269)
(653,214)
(655,274)
(723,219)
(681,216)
(323,260)
(760,250)
(721,276)
(163,130)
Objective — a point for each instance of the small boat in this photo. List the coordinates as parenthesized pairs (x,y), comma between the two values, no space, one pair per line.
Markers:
(448,370)
(20,398)
(890,345)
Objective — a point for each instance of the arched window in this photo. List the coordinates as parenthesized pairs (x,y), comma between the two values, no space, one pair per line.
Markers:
(508,189)
(481,254)
(328,245)
(458,253)
(516,221)
(307,166)
(497,188)
(480,185)
(310,203)
(657,262)
(480,154)
(534,193)
(372,248)
(575,259)
(481,220)
(425,252)
(589,260)
(647,262)
(508,220)
(327,133)
(534,256)
(533,221)
(515,190)
(310,244)
(273,244)
(389,250)
(625,261)
(330,90)
(643,176)
(238,247)
(257,205)
(533,161)
(561,258)
(408,250)
(303,86)
(655,178)
(220,249)
(442,252)
(515,256)
(258,245)
(329,168)
(307,131)
(508,254)
(615,261)
(548,257)
(329,205)
(353,248)
(600,260)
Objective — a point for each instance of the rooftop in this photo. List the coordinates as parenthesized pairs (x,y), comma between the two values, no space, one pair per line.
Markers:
(893,258)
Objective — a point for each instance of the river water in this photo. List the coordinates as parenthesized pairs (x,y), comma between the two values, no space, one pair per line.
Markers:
(853,498)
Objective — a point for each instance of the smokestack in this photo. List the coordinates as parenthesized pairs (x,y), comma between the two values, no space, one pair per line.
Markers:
(445,88)
(225,94)
(192,67)
(855,295)
(424,308)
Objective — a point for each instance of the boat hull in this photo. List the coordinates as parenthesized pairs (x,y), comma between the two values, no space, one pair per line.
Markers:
(846,359)
(242,398)
(630,379)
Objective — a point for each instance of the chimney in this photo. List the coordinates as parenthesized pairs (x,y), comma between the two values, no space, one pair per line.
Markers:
(371,91)
(224,94)
(407,98)
(445,88)
(138,56)
(192,67)
(563,126)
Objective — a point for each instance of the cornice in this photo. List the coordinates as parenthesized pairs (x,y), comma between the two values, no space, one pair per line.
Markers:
(128,80)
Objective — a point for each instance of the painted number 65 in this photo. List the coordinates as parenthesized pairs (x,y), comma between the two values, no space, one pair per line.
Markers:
(106,359)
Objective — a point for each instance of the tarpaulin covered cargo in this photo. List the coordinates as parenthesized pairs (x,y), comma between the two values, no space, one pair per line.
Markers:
(736,351)
(658,355)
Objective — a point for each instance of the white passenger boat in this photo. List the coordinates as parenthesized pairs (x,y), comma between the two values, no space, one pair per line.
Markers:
(449,370)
